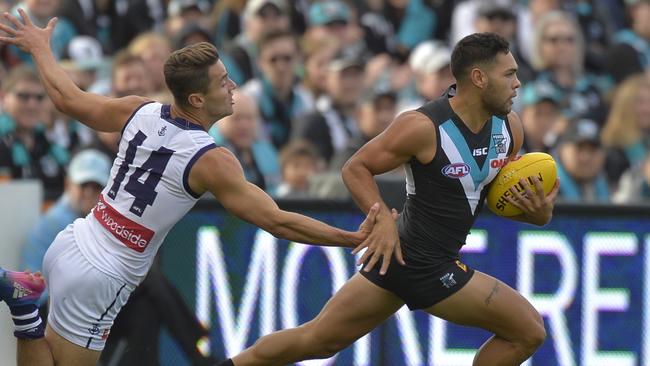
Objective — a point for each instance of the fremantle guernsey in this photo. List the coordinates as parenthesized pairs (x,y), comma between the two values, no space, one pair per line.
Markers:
(146,195)
(446,195)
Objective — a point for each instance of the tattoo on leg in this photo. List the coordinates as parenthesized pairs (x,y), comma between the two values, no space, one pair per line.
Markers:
(495,289)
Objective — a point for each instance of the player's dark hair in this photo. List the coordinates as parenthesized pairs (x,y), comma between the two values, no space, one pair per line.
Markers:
(186,70)
(475,49)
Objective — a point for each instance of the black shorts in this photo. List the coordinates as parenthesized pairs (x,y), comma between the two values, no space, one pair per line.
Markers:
(421,285)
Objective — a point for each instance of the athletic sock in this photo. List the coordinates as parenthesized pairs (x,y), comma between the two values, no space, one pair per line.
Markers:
(27,322)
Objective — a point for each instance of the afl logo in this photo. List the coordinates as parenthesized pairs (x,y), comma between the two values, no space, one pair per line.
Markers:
(456,170)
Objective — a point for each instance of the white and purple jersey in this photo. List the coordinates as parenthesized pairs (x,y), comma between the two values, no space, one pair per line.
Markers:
(147,194)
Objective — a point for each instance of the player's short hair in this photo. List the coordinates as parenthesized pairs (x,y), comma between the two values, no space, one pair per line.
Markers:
(477,48)
(186,70)
(18,74)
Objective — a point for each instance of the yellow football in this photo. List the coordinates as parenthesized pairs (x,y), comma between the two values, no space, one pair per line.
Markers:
(537,164)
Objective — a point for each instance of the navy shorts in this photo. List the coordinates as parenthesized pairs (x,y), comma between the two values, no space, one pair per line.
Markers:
(421,285)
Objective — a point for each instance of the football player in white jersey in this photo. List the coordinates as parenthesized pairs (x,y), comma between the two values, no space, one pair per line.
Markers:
(166,161)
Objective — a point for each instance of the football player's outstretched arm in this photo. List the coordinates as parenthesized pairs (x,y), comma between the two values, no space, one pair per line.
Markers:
(98,112)
(219,172)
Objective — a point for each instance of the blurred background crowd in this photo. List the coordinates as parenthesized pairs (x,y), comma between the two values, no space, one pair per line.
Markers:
(317,79)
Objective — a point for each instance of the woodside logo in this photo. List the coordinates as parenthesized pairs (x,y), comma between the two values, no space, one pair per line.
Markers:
(130,233)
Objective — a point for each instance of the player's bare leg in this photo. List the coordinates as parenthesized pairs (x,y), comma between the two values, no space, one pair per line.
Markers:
(357,308)
(68,353)
(488,303)
(34,352)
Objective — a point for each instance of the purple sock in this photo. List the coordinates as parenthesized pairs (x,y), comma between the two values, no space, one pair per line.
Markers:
(27,322)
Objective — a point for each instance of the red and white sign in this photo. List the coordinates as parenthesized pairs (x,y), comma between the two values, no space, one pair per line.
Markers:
(129,232)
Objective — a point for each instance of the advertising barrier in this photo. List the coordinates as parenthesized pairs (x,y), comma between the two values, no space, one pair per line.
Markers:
(587,273)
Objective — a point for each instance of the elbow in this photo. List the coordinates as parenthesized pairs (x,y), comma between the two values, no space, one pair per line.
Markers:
(275,225)
(348,169)
(62,104)
(278,231)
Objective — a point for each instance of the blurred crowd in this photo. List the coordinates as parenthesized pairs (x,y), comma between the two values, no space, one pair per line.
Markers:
(317,79)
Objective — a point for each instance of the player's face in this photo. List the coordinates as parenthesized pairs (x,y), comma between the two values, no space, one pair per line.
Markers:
(502,85)
(219,101)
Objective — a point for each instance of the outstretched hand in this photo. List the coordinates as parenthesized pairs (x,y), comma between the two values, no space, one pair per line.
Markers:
(382,243)
(369,223)
(25,34)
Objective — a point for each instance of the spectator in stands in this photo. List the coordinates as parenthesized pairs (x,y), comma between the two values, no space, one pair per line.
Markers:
(260,16)
(379,35)
(279,98)
(498,17)
(239,133)
(183,13)
(634,186)
(335,120)
(153,48)
(26,152)
(84,16)
(627,131)
(528,19)
(87,60)
(317,52)
(299,161)
(40,12)
(558,50)
(542,120)
(191,33)
(127,19)
(630,53)
(429,62)
(378,110)
(224,20)
(580,159)
(129,75)
(87,175)
(412,21)
(591,16)
(333,19)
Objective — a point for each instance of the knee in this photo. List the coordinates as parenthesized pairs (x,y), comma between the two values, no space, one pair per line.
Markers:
(324,346)
(534,336)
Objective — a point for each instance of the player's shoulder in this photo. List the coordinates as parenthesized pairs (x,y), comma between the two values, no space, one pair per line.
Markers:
(413,116)
(438,111)
(215,167)
(411,132)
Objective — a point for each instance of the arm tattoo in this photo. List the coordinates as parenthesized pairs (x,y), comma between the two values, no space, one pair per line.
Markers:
(495,289)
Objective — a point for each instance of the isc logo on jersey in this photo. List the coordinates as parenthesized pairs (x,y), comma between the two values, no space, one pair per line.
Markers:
(455,170)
